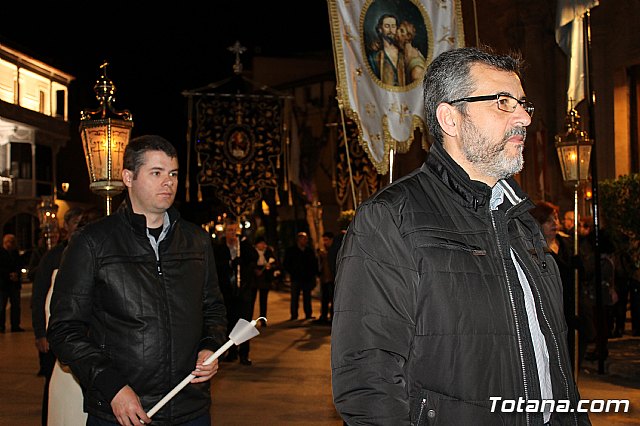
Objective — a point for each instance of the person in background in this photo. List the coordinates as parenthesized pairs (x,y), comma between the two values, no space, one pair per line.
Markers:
(546,214)
(327,257)
(40,287)
(625,270)
(446,303)
(136,305)
(53,238)
(235,261)
(10,284)
(587,297)
(65,394)
(568,223)
(266,267)
(302,266)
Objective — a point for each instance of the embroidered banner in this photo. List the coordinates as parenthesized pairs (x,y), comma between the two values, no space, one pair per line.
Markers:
(238,140)
(365,179)
(381,50)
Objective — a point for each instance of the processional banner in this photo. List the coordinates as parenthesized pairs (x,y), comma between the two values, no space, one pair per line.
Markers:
(238,141)
(381,50)
(570,38)
(353,168)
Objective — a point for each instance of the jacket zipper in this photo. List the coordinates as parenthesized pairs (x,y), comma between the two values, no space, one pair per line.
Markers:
(156,250)
(423,403)
(555,341)
(515,315)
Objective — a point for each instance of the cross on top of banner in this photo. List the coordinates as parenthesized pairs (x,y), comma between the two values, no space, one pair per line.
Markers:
(238,49)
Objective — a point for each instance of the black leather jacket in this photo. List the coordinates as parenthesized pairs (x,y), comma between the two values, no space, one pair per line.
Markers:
(429,316)
(122,316)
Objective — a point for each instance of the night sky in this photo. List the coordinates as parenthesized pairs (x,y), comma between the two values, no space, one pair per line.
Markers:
(156,54)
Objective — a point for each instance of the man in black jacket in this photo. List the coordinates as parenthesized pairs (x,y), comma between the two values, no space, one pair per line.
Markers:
(136,306)
(236,261)
(301,264)
(10,284)
(448,305)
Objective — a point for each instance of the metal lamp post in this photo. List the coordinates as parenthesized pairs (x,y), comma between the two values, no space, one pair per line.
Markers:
(574,152)
(105,133)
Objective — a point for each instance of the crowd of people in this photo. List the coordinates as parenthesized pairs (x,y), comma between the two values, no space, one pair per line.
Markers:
(443,290)
(247,273)
(618,279)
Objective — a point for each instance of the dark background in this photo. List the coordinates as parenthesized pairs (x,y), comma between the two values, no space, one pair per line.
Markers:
(155,54)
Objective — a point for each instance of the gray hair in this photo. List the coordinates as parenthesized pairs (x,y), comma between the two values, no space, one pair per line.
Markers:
(448,77)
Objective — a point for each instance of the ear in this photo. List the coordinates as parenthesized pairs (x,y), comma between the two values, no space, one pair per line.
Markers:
(127,177)
(448,118)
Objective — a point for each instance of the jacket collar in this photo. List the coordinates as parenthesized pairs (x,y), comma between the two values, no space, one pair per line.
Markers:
(473,194)
(138,221)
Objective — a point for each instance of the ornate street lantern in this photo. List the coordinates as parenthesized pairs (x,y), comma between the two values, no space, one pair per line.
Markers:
(105,133)
(574,150)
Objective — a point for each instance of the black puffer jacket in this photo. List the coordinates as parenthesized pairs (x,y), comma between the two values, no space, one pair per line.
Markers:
(429,319)
(120,316)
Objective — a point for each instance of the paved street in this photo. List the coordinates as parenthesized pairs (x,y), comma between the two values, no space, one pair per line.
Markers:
(289,382)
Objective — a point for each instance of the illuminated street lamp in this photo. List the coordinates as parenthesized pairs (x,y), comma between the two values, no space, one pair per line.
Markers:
(47,214)
(105,134)
(574,153)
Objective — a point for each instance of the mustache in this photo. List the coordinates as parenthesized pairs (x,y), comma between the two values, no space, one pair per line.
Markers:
(389,37)
(516,131)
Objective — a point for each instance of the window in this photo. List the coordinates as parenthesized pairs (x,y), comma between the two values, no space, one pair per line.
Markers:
(20,160)
(41,102)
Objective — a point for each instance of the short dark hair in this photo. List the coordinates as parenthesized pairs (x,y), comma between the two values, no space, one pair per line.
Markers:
(328,234)
(381,21)
(72,212)
(134,152)
(448,77)
(90,215)
(543,210)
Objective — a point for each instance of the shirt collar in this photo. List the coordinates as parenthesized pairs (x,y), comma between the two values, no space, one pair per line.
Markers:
(499,192)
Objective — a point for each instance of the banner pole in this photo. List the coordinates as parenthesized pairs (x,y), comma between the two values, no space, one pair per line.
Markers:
(346,147)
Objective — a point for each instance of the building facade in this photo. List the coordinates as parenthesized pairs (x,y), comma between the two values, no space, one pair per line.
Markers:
(34,127)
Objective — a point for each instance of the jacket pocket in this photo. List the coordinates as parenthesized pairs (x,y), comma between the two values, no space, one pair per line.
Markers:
(447,243)
(433,409)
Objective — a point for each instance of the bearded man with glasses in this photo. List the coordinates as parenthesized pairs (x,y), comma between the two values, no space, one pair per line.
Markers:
(448,302)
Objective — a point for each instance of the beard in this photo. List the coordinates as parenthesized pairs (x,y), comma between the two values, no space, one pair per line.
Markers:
(390,37)
(491,158)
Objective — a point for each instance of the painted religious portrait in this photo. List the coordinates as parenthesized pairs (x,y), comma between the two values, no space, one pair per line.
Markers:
(238,143)
(395,36)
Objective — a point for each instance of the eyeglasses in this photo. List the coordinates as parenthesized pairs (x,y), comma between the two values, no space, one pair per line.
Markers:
(506,103)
